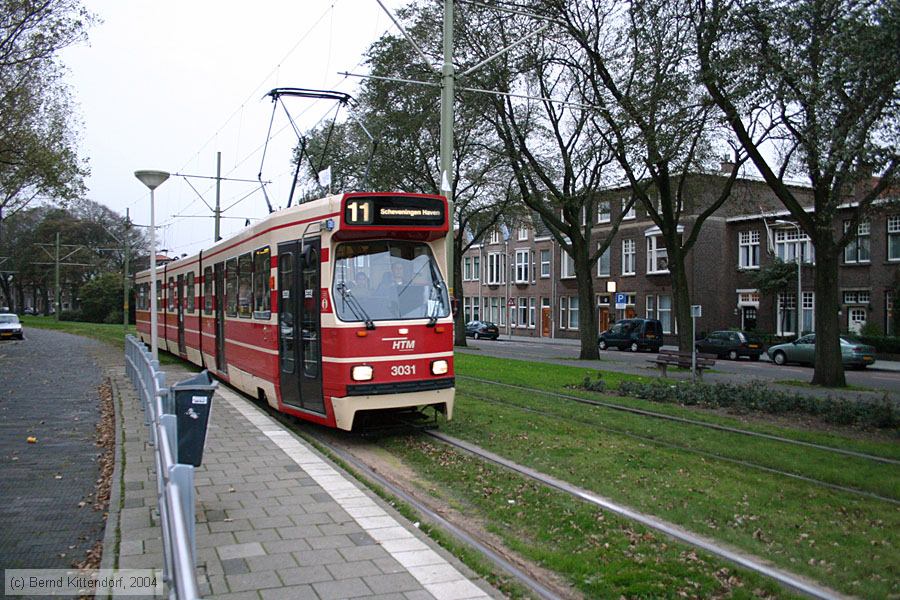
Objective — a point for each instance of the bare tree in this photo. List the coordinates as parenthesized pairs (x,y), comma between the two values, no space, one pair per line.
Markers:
(820,77)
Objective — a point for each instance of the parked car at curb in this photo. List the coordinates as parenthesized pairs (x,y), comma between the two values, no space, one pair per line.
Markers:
(633,334)
(731,345)
(803,350)
(482,329)
(10,327)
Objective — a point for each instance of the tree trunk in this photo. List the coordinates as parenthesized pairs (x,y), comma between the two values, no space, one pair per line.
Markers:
(459,320)
(829,368)
(681,298)
(587,313)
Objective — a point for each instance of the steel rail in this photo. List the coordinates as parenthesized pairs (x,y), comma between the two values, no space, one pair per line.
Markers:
(736,461)
(789,580)
(656,415)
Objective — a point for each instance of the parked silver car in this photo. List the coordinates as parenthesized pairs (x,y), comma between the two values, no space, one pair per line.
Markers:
(10,326)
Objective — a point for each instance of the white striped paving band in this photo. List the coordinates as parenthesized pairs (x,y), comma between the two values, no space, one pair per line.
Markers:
(441,579)
(790,580)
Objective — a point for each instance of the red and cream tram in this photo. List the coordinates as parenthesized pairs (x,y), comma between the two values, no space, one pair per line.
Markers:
(325,310)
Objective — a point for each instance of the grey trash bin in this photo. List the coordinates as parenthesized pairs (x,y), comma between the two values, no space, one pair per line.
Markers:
(193,403)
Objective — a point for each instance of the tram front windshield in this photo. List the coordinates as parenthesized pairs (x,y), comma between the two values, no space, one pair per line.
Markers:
(387,280)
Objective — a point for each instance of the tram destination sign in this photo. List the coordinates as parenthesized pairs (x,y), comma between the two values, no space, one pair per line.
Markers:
(394,211)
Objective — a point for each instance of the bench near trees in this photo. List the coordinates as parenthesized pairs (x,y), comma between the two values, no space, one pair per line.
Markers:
(679,358)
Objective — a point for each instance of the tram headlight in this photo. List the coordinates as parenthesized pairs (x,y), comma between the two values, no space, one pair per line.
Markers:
(361,373)
(439,367)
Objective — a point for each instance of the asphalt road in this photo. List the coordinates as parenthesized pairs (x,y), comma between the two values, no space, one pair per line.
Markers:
(49,390)
(875,378)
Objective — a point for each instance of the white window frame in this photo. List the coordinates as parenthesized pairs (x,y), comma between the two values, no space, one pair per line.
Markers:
(567,265)
(856,297)
(522,312)
(632,212)
(786,304)
(600,262)
(545,264)
(496,274)
(629,254)
(523,265)
(604,211)
(467,268)
(476,308)
(808,309)
(531,312)
(892,227)
(862,242)
(495,236)
(476,268)
(568,306)
(748,250)
(523,233)
(787,242)
(656,256)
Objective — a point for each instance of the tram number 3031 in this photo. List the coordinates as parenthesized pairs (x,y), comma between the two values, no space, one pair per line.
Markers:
(400,370)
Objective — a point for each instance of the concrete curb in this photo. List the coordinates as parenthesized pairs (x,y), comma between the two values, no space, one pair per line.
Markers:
(111,537)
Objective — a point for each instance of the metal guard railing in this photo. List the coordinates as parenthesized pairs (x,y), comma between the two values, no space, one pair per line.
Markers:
(175,482)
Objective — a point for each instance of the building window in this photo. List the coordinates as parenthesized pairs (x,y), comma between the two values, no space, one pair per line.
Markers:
(476,268)
(628,257)
(787,313)
(657,256)
(545,263)
(496,268)
(495,236)
(660,307)
(523,312)
(808,307)
(523,233)
(604,212)
(748,250)
(476,308)
(568,312)
(531,311)
(467,268)
(651,307)
(790,242)
(893,237)
(603,262)
(567,270)
(857,251)
(630,213)
(467,309)
(857,297)
(523,266)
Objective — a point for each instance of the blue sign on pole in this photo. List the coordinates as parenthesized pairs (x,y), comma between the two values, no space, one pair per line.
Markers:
(621,300)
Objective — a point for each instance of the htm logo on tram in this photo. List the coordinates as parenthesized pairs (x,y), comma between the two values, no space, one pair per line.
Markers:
(404,345)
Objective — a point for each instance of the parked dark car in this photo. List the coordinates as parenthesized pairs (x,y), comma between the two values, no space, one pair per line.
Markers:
(731,344)
(482,329)
(634,334)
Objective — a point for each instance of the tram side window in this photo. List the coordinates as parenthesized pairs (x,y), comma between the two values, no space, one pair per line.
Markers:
(231,287)
(170,294)
(245,279)
(207,290)
(190,292)
(159,304)
(262,268)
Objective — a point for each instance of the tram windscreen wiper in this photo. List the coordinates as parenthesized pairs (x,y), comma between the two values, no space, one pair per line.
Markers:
(354,305)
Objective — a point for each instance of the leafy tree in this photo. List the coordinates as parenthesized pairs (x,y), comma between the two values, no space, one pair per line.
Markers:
(404,120)
(38,156)
(810,88)
(101,299)
(637,67)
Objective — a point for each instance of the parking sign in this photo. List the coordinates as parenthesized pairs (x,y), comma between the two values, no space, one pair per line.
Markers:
(621,300)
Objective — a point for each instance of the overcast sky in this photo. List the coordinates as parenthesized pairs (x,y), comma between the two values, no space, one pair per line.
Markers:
(165,84)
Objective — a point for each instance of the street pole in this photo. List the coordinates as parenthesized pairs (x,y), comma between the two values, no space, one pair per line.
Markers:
(447,94)
(153,179)
(56,280)
(218,210)
(125,281)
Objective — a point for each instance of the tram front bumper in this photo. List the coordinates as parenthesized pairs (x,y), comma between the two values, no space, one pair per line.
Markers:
(345,408)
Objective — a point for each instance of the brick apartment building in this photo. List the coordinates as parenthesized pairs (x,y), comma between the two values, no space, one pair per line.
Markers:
(518,277)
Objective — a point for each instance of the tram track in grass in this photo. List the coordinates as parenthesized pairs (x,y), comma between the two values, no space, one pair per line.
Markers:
(743,463)
(684,420)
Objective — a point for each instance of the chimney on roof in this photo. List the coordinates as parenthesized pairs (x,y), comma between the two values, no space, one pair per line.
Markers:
(726,167)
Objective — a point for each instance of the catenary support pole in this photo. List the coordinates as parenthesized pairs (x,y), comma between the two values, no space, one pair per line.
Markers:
(56,281)
(218,210)
(447,93)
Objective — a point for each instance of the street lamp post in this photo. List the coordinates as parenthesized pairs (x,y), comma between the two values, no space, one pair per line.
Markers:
(798,254)
(152,179)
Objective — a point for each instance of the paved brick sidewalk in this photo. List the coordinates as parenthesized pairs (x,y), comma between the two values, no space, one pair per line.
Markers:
(275,519)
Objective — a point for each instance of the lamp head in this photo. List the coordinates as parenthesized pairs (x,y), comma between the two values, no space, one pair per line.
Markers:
(152,179)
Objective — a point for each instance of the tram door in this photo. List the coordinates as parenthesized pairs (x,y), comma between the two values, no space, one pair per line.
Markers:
(182,349)
(299,325)
(219,272)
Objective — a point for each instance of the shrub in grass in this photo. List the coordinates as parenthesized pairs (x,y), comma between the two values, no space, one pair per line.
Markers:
(748,398)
